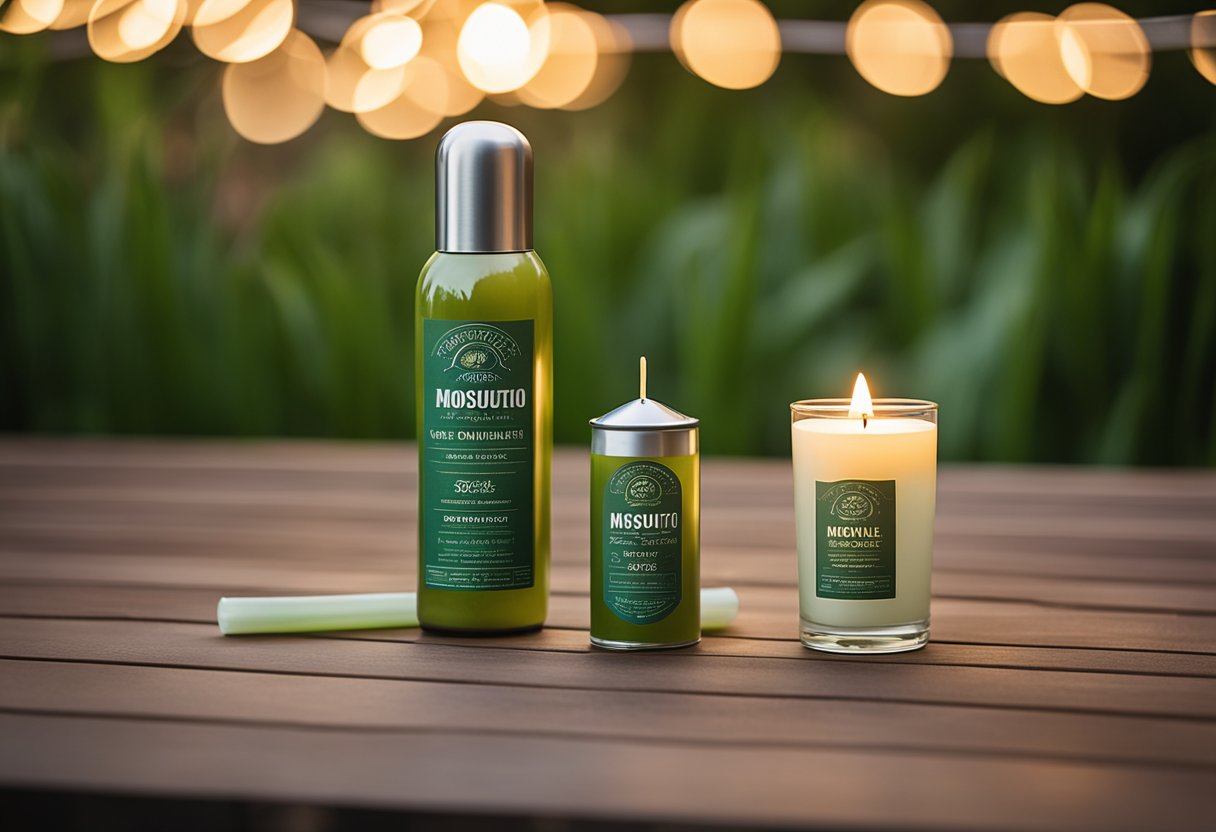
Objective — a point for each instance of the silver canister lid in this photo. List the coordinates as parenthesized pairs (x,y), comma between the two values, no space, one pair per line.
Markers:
(483,189)
(644,427)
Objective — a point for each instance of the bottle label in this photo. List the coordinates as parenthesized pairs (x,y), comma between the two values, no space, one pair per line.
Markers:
(477,455)
(643,536)
(855,539)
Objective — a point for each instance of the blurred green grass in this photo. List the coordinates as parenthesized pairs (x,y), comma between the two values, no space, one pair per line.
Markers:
(160,277)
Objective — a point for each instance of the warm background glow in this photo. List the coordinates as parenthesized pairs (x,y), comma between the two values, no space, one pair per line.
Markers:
(391,40)
(130,30)
(75,13)
(277,97)
(730,43)
(502,46)
(416,9)
(418,109)
(24,17)
(902,47)
(236,31)
(1025,50)
(440,31)
(1104,51)
(614,49)
(1203,36)
(570,65)
(554,55)
(355,87)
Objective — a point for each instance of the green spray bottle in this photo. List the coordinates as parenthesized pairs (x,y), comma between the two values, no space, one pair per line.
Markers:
(484,381)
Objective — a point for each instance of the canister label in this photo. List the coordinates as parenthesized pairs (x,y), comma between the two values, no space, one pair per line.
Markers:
(477,455)
(855,539)
(643,542)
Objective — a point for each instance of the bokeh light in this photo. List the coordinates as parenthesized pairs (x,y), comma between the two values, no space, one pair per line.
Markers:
(1203,41)
(75,13)
(417,110)
(454,11)
(614,51)
(417,9)
(410,62)
(192,9)
(386,39)
(24,17)
(130,30)
(353,86)
(502,46)
(237,31)
(729,43)
(570,66)
(440,31)
(902,47)
(278,97)
(1025,51)
(1104,51)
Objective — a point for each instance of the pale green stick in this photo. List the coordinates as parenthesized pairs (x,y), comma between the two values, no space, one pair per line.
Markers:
(321,613)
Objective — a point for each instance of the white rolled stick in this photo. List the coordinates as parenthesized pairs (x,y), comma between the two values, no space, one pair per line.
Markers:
(317,613)
(322,613)
(719,606)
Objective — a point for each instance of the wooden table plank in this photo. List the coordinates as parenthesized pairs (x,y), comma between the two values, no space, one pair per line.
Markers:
(382,497)
(553,708)
(1071,681)
(239,563)
(1082,692)
(1184,599)
(767,613)
(696,672)
(599,779)
(144,530)
(189,605)
(385,500)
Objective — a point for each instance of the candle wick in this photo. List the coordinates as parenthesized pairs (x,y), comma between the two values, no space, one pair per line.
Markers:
(864,421)
(642,379)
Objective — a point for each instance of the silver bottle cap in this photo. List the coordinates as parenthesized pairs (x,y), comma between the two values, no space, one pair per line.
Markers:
(644,427)
(644,414)
(483,189)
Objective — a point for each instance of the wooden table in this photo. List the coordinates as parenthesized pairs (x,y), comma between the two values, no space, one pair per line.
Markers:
(1071,682)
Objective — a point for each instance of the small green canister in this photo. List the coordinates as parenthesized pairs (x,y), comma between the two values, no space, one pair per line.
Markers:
(645,527)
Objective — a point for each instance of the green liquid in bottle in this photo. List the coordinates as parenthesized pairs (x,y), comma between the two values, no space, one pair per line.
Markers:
(484,384)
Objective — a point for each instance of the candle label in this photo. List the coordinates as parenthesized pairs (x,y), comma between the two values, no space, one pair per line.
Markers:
(855,539)
(643,537)
(477,454)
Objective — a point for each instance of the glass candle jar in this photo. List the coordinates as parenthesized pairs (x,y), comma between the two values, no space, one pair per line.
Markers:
(865,494)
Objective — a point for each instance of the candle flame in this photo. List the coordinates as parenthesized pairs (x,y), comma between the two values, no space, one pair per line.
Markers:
(861,405)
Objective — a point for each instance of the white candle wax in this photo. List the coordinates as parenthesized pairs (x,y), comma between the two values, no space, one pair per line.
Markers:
(843,476)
